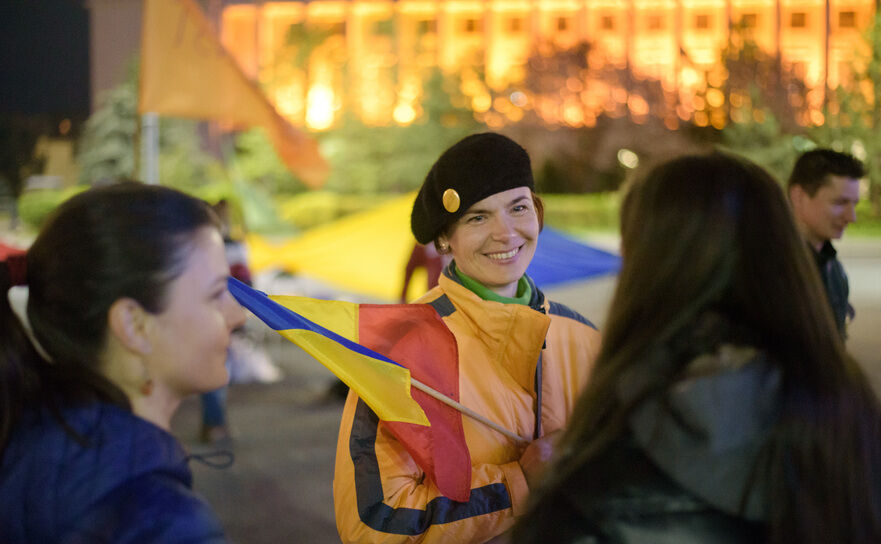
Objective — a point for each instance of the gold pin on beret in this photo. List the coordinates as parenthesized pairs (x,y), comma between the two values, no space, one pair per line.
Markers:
(451,200)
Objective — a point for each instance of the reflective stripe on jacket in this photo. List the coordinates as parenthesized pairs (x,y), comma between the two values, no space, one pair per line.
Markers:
(381,495)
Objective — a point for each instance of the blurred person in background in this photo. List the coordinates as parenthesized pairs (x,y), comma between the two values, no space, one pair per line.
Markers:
(247,359)
(424,256)
(214,422)
(723,406)
(121,313)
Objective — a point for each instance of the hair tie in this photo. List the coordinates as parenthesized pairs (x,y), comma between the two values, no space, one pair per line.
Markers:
(18,300)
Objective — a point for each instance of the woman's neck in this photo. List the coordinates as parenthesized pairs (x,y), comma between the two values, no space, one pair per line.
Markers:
(158,407)
(149,399)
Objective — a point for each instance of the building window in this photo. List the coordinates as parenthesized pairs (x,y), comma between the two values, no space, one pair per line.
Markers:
(385,27)
(427,26)
(749,20)
(515,24)
(847,19)
(471,25)
(607,22)
(702,21)
(656,22)
(798,19)
(562,24)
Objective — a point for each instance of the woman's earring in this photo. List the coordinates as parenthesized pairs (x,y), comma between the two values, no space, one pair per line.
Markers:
(444,247)
(147,385)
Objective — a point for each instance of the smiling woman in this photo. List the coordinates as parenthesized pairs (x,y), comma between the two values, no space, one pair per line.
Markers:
(522,360)
(122,313)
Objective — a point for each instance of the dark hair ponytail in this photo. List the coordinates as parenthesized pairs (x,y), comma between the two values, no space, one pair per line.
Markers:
(127,240)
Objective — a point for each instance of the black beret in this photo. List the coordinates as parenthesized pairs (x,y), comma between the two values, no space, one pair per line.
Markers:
(476,167)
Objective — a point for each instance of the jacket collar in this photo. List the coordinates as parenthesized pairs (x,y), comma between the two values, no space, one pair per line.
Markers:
(513,334)
(537,299)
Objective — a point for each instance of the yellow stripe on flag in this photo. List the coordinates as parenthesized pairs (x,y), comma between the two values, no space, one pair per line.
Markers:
(384,387)
(336,315)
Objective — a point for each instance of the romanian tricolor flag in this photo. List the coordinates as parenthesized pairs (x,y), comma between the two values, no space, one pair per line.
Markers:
(375,349)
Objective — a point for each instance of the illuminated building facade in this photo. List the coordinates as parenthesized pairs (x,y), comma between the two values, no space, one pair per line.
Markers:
(377,50)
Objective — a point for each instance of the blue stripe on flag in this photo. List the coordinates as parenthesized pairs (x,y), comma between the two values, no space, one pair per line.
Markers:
(280,318)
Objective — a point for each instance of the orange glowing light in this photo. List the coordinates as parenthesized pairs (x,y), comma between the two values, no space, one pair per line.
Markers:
(574,84)
(715,98)
(683,112)
(736,100)
(637,105)
(501,104)
(319,107)
(404,114)
(573,115)
(481,103)
(515,115)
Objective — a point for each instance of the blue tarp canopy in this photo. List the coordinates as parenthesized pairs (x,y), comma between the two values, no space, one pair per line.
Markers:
(560,259)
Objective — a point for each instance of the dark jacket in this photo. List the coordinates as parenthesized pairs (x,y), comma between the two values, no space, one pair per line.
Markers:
(684,473)
(835,284)
(129,484)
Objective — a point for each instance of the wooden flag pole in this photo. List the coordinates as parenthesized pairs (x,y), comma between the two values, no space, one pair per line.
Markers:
(465,410)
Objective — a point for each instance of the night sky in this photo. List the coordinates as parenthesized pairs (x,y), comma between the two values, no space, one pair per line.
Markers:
(44,57)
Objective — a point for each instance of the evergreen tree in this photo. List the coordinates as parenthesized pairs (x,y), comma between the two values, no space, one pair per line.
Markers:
(853,115)
(109,145)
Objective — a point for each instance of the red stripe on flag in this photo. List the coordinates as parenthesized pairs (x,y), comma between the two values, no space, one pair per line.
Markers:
(415,336)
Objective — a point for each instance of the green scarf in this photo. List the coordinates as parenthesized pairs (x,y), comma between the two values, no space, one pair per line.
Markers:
(524,291)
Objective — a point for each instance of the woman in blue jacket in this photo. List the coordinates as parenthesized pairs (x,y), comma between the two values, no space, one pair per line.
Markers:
(121,312)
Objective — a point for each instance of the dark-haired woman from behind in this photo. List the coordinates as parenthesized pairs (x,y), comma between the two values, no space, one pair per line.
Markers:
(723,406)
(123,310)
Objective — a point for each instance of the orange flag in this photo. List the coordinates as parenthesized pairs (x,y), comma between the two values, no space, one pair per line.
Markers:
(186,72)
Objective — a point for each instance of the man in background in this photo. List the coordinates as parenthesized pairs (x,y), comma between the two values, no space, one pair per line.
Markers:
(824,189)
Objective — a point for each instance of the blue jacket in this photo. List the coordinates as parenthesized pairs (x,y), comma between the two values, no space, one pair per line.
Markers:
(129,484)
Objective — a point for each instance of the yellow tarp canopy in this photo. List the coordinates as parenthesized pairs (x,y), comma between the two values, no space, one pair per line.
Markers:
(363,253)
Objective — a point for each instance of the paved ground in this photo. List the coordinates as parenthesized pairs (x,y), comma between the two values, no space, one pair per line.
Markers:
(279,488)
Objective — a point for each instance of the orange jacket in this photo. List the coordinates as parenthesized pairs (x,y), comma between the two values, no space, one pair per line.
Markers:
(388,499)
